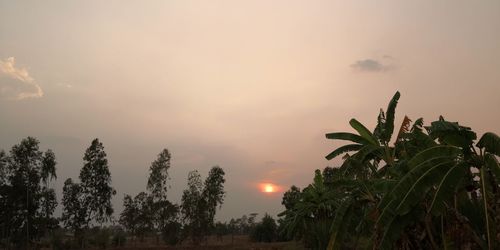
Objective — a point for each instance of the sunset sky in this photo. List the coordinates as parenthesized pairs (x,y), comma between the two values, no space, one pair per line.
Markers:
(251,86)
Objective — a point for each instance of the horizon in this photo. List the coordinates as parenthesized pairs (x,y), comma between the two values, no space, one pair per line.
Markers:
(252,87)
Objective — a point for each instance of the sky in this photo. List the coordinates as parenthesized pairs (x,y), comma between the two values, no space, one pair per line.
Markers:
(251,86)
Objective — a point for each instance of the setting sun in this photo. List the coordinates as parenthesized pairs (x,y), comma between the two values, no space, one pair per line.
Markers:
(269,188)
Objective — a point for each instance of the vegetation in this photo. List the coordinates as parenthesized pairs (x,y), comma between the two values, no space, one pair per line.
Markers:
(26,201)
(424,187)
(431,187)
(265,231)
(200,201)
(89,201)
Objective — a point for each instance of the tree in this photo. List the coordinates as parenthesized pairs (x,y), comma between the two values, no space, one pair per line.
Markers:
(432,187)
(265,231)
(26,201)
(200,202)
(291,197)
(95,184)
(74,214)
(158,176)
(310,212)
(128,217)
(194,207)
(163,211)
(213,191)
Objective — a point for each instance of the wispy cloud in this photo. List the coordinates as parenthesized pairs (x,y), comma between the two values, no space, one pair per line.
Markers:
(372,65)
(16,83)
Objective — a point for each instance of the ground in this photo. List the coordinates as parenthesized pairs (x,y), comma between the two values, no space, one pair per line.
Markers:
(241,242)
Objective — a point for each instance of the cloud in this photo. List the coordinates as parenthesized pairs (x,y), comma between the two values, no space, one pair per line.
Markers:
(16,83)
(371,65)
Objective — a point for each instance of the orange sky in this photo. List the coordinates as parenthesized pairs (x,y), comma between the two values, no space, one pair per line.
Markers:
(252,86)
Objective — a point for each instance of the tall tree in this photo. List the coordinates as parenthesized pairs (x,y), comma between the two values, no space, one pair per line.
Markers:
(163,211)
(194,208)
(74,214)
(200,202)
(128,217)
(27,202)
(213,191)
(137,216)
(158,176)
(95,181)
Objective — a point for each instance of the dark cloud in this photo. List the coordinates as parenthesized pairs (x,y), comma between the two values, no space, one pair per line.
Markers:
(370,65)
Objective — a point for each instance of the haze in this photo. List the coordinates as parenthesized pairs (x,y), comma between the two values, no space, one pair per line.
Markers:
(251,86)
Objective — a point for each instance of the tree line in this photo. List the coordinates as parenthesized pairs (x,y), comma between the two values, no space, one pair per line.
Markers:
(27,202)
(429,187)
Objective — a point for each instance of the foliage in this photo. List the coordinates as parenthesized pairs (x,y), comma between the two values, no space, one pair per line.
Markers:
(90,200)
(265,231)
(431,187)
(194,207)
(213,191)
(95,181)
(74,214)
(200,201)
(26,201)
(152,211)
(158,176)
(163,214)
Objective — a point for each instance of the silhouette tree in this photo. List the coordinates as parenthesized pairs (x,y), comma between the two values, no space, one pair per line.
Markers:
(193,208)
(200,202)
(95,184)
(291,197)
(129,215)
(265,231)
(26,203)
(158,176)
(74,214)
(163,211)
(213,192)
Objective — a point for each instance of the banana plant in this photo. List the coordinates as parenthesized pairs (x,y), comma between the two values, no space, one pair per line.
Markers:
(368,147)
(441,190)
(435,179)
(311,216)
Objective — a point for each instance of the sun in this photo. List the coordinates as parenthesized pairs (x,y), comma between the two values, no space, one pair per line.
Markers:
(269,188)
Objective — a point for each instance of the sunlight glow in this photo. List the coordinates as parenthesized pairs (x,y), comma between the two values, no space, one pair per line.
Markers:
(266,187)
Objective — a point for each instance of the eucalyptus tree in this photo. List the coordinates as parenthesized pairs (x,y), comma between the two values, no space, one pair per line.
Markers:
(200,201)
(27,202)
(95,182)
(193,208)
(213,192)
(158,176)
(74,215)
(137,215)
(90,200)
(128,217)
(163,211)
